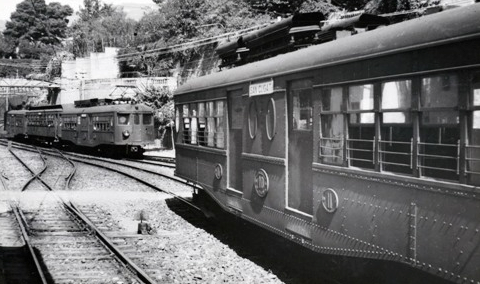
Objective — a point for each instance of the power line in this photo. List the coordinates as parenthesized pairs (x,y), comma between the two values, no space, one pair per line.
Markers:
(189,45)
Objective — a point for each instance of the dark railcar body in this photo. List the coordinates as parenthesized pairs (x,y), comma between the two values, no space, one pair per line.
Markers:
(368,146)
(123,128)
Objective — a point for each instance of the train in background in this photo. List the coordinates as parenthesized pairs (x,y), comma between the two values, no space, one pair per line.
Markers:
(366,147)
(104,125)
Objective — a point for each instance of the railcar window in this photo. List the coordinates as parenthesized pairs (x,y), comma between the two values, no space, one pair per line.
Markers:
(177,119)
(472,151)
(123,119)
(102,123)
(220,120)
(186,124)
(396,138)
(361,130)
(147,119)
(302,109)
(332,127)
(203,123)
(136,118)
(271,119)
(211,127)
(193,124)
(252,118)
(69,122)
(439,127)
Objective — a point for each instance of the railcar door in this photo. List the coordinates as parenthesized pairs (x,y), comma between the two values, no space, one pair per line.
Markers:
(136,135)
(235,139)
(83,137)
(300,145)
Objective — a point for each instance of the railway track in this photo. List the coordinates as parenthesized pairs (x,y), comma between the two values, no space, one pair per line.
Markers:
(71,248)
(247,241)
(151,174)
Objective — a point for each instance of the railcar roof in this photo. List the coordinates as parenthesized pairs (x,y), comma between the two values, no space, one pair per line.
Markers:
(17,112)
(428,30)
(71,109)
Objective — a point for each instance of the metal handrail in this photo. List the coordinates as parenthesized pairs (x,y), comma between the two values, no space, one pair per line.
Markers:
(456,158)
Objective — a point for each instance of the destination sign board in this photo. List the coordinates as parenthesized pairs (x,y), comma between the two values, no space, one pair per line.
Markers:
(261,88)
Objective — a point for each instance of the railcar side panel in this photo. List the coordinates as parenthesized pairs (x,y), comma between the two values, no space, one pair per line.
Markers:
(428,218)
(376,144)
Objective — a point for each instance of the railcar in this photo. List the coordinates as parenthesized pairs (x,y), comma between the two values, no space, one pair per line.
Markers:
(366,147)
(91,124)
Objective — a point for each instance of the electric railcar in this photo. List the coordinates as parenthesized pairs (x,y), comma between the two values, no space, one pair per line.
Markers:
(93,124)
(367,146)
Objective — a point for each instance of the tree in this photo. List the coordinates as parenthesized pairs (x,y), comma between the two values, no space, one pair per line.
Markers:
(98,26)
(94,9)
(317,6)
(7,47)
(36,22)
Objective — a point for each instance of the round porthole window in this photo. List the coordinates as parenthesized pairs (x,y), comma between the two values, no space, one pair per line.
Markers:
(218,171)
(252,119)
(271,119)
(261,183)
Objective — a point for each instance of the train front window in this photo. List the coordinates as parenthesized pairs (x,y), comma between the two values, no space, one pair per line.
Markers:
(147,119)
(361,130)
(123,119)
(332,127)
(439,127)
(396,138)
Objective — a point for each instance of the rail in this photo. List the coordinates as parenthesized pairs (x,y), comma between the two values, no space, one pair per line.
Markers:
(69,206)
(22,223)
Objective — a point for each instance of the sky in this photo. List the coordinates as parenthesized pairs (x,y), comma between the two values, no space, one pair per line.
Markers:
(9,6)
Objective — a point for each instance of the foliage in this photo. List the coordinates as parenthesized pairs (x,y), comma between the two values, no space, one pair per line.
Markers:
(94,9)
(276,7)
(7,47)
(382,7)
(162,101)
(36,22)
(99,26)
(317,6)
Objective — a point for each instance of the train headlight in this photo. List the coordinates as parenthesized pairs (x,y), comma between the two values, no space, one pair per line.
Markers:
(126,134)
